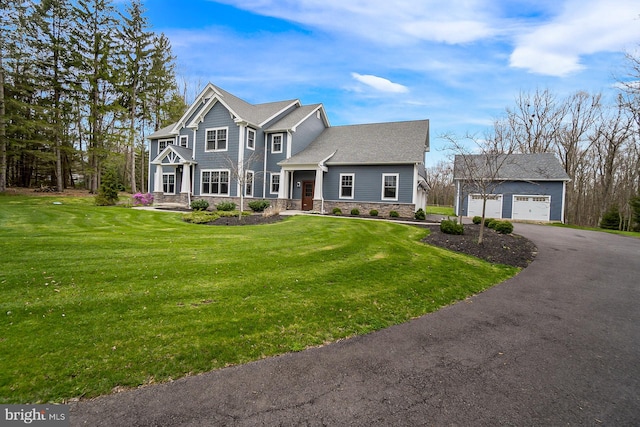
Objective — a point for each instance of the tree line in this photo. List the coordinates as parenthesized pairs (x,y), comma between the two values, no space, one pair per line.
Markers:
(596,140)
(81,84)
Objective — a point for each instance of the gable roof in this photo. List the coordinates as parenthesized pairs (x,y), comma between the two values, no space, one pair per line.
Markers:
(185,154)
(512,167)
(165,132)
(377,143)
(297,116)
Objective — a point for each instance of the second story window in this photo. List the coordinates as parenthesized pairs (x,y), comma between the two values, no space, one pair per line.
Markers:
(162,144)
(276,143)
(216,139)
(183,140)
(251,139)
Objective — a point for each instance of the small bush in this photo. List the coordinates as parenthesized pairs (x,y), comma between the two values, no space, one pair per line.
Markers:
(394,214)
(487,221)
(477,220)
(611,219)
(420,214)
(200,217)
(259,205)
(270,211)
(226,206)
(199,205)
(108,191)
(140,199)
(492,224)
(449,226)
(503,227)
(355,211)
(337,211)
(373,212)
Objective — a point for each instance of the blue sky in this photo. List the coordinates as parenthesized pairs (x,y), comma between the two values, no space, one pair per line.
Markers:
(459,63)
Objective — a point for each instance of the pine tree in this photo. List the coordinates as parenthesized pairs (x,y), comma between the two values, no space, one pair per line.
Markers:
(93,34)
(136,41)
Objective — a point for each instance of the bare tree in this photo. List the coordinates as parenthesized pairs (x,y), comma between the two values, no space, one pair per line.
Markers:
(242,173)
(477,167)
(439,180)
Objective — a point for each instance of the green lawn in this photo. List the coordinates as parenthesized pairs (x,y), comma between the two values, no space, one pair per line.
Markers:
(440,210)
(100,298)
(578,227)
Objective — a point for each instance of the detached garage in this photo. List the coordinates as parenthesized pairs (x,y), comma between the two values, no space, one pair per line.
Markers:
(525,187)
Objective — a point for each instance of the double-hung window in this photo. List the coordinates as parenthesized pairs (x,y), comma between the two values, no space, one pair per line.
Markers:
(215,182)
(248,184)
(275,183)
(276,143)
(347,181)
(251,139)
(169,183)
(184,140)
(389,186)
(216,139)
(162,144)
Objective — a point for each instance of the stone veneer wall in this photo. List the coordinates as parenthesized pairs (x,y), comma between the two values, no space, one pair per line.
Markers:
(404,210)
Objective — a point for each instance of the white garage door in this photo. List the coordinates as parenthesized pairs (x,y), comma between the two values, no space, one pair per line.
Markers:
(493,209)
(532,208)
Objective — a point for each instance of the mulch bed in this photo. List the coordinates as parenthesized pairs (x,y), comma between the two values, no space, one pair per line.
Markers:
(508,249)
(255,219)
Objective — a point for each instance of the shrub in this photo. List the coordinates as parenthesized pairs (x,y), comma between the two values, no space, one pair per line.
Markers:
(373,212)
(611,219)
(140,199)
(108,191)
(394,214)
(492,223)
(487,221)
(355,211)
(226,206)
(420,214)
(259,205)
(449,226)
(477,220)
(200,217)
(337,211)
(199,205)
(503,227)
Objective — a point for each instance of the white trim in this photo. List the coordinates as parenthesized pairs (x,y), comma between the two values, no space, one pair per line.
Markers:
(167,142)
(216,129)
(397,176)
(273,137)
(186,141)
(203,171)
(530,198)
(353,186)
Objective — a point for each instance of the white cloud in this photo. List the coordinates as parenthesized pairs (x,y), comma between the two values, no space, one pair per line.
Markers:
(379,83)
(583,28)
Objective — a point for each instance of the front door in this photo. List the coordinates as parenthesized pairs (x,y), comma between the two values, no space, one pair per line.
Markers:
(307,195)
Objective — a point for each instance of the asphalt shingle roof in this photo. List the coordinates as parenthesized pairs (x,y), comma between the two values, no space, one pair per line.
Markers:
(255,114)
(377,143)
(292,119)
(165,132)
(512,167)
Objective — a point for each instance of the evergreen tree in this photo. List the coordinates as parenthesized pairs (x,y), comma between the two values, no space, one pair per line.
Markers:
(136,41)
(93,34)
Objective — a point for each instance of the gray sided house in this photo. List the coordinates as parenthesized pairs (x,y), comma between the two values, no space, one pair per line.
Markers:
(288,153)
(527,187)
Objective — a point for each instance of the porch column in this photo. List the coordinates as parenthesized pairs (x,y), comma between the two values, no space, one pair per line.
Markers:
(186,178)
(317,191)
(283,193)
(157,185)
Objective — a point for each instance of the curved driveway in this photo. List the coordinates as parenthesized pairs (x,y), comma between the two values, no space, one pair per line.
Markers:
(559,344)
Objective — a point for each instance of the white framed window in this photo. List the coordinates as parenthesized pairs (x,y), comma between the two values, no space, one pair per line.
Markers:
(184,140)
(215,182)
(347,181)
(275,183)
(162,144)
(276,143)
(169,183)
(251,139)
(248,184)
(216,139)
(390,186)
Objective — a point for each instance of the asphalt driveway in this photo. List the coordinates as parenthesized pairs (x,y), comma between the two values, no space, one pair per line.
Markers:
(559,344)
